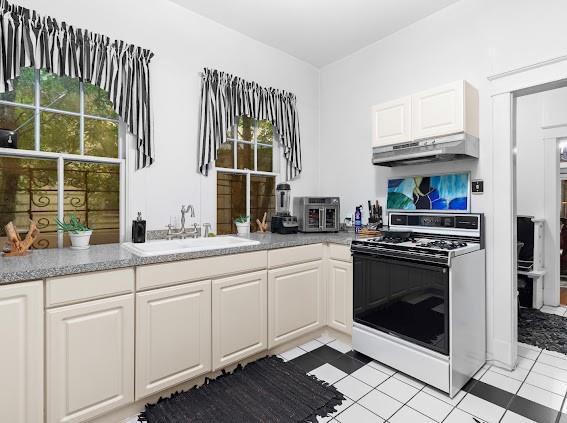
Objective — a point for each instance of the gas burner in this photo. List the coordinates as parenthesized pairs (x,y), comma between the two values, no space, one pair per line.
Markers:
(443,245)
(395,240)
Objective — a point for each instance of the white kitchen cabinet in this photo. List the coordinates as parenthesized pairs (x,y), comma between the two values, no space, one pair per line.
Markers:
(445,110)
(296,301)
(240,317)
(391,122)
(339,305)
(89,358)
(173,336)
(21,366)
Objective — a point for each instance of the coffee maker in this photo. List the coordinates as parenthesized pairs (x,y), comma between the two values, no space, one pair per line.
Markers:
(283,222)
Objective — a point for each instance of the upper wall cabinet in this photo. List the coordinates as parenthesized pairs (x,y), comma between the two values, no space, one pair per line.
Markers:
(392,122)
(444,110)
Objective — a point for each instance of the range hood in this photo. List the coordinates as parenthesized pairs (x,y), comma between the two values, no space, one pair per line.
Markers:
(450,147)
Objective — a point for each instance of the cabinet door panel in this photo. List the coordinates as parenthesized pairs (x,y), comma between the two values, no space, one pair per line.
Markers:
(90,358)
(173,336)
(391,122)
(339,307)
(296,301)
(439,111)
(239,317)
(21,366)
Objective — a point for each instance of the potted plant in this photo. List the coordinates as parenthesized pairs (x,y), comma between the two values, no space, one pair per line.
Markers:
(79,234)
(242,225)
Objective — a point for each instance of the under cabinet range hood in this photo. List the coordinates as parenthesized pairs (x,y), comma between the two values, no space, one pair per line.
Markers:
(445,148)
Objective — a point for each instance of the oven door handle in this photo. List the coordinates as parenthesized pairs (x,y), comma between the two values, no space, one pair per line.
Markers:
(423,262)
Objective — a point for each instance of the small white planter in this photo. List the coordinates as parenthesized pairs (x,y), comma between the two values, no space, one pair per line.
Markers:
(80,240)
(242,228)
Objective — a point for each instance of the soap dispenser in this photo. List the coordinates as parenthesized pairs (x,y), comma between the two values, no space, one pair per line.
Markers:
(139,230)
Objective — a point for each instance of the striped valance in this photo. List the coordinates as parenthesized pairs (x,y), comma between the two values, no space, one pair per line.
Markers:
(122,70)
(224,97)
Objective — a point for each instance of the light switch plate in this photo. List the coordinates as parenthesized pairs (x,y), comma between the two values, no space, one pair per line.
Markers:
(477,186)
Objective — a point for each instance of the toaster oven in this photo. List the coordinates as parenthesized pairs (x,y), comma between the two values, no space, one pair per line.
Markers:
(317,214)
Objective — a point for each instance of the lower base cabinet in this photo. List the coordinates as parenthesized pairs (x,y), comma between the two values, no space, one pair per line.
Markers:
(21,352)
(339,295)
(296,301)
(240,314)
(173,336)
(89,358)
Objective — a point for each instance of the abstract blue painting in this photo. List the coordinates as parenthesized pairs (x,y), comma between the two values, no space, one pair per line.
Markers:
(442,192)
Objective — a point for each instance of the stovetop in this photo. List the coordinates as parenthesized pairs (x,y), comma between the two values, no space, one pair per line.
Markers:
(419,244)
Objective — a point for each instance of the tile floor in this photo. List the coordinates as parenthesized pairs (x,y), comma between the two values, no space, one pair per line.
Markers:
(560,310)
(534,392)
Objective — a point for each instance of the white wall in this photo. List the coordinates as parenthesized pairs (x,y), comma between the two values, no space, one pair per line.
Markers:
(470,40)
(184,43)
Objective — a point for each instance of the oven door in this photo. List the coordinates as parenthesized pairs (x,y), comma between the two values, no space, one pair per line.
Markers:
(331,219)
(406,299)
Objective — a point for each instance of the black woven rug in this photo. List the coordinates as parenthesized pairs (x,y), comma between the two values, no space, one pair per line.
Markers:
(268,390)
(543,330)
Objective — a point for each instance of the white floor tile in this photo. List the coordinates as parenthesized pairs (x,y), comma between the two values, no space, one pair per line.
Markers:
(541,396)
(325,339)
(409,380)
(291,354)
(527,352)
(398,389)
(353,388)
(559,311)
(555,354)
(384,369)
(444,397)
(525,363)
(409,415)
(430,406)
(311,345)
(530,347)
(553,360)
(511,417)
(358,414)
(481,371)
(518,373)
(370,375)
(481,408)
(339,409)
(340,346)
(551,371)
(328,373)
(459,416)
(548,383)
(500,381)
(380,404)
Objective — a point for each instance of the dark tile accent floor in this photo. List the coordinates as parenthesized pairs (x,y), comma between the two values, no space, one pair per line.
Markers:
(352,361)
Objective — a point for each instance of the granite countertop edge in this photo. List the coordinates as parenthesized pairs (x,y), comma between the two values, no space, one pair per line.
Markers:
(42,264)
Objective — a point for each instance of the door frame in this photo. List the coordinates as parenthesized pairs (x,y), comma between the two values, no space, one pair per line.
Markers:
(502,313)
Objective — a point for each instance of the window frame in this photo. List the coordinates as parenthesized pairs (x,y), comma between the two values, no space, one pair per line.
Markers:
(250,172)
(61,158)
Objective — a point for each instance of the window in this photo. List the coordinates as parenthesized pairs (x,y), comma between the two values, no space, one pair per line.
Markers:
(246,174)
(67,157)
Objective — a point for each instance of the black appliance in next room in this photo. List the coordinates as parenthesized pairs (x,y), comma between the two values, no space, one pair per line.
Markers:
(283,222)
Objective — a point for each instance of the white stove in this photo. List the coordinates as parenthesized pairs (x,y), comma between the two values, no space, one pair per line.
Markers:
(419,297)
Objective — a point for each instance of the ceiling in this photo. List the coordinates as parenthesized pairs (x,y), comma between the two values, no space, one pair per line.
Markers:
(316,31)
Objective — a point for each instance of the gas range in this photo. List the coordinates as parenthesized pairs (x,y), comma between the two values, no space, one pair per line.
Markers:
(419,297)
(426,237)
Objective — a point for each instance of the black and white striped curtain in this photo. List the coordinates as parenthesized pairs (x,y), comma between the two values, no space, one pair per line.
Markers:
(224,97)
(122,70)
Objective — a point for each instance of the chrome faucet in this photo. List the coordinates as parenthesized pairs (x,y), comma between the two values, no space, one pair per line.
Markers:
(183,232)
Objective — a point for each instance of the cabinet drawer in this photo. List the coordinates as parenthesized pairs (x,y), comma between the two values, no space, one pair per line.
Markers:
(157,275)
(89,286)
(340,252)
(294,255)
